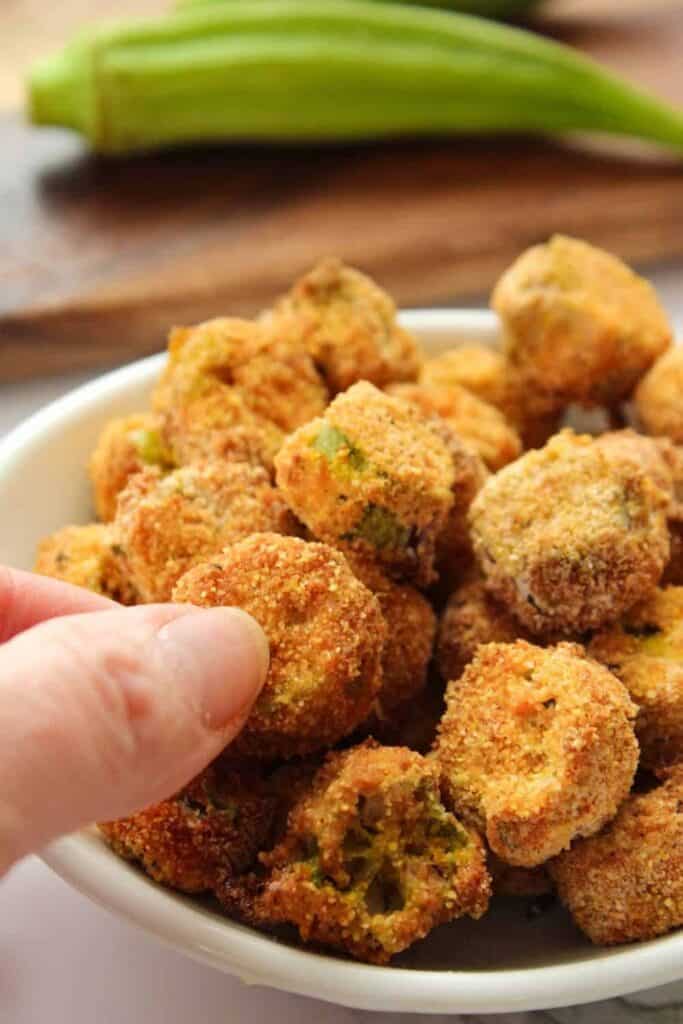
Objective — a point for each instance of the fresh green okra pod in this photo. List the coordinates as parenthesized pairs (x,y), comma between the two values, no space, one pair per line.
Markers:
(283,70)
(484,8)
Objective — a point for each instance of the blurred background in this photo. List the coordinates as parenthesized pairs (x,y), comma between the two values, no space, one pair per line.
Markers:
(99,256)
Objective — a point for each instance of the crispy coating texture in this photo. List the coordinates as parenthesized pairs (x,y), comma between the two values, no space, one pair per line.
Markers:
(479,424)
(579,325)
(326,634)
(167,524)
(212,828)
(486,373)
(627,882)
(373,477)
(662,462)
(570,538)
(645,651)
(232,387)
(126,446)
(472,617)
(86,557)
(537,746)
(411,629)
(372,861)
(349,325)
(659,397)
(454,554)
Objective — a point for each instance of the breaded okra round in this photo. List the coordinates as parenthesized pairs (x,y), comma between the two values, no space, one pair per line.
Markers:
(659,397)
(662,462)
(167,524)
(486,373)
(326,634)
(411,628)
(579,325)
(349,325)
(371,476)
(645,651)
(371,860)
(213,827)
(626,883)
(86,556)
(480,425)
(537,747)
(472,617)
(233,387)
(126,446)
(568,537)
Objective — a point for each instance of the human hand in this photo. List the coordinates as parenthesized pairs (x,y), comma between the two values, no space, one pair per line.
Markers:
(103,714)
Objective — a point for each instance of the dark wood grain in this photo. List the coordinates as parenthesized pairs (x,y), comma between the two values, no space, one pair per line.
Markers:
(98,259)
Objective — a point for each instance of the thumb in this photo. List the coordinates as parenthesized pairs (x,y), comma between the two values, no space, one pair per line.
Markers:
(103,714)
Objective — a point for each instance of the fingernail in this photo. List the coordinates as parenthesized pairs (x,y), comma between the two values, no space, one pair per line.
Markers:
(224,653)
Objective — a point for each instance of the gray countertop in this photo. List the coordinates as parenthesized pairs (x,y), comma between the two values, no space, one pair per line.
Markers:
(62,959)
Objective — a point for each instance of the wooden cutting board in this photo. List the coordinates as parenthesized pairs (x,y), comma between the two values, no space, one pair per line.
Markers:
(98,259)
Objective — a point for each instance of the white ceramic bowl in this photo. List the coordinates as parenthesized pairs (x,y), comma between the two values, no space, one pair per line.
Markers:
(505,962)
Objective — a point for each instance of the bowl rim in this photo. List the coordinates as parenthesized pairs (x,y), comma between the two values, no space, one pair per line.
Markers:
(84,862)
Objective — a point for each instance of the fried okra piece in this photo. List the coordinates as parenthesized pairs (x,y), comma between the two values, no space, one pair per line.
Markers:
(472,617)
(454,554)
(413,723)
(373,477)
(568,537)
(326,634)
(86,557)
(232,387)
(645,651)
(371,860)
(486,373)
(537,747)
(507,880)
(411,628)
(126,446)
(479,424)
(626,883)
(578,324)
(659,397)
(662,462)
(212,828)
(167,524)
(349,326)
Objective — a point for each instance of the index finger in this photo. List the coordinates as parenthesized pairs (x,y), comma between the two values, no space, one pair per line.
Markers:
(27,599)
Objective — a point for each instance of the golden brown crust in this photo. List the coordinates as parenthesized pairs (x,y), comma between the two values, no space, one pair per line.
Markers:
(374,477)
(645,651)
(86,556)
(232,387)
(472,617)
(349,326)
(167,524)
(579,325)
(659,397)
(125,447)
(537,747)
(568,537)
(326,634)
(486,373)
(371,860)
(627,882)
(478,424)
(411,629)
(213,828)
